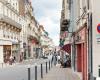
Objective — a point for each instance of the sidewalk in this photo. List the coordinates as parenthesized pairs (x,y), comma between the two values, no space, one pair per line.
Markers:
(57,73)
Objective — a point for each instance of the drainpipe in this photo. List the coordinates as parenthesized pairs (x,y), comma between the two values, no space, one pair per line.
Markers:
(90,52)
(73,53)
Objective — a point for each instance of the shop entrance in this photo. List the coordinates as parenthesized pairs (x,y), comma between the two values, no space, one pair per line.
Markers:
(7,53)
(79,58)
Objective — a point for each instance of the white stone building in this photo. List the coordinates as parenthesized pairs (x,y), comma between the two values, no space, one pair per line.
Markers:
(29,33)
(10,28)
(45,41)
(19,35)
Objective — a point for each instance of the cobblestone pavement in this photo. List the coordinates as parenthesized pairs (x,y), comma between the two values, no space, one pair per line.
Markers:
(58,73)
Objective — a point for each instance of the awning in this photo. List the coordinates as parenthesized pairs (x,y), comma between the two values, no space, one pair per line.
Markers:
(67,48)
(14,42)
(33,39)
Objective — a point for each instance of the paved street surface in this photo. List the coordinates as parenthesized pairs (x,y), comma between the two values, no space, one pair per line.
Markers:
(20,71)
(58,73)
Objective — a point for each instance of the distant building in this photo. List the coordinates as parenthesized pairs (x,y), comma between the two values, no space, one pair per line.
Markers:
(45,41)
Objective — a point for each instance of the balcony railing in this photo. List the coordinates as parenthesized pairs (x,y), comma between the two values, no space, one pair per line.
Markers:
(65,22)
(8,20)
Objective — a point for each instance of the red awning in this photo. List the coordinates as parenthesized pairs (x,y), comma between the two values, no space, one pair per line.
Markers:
(67,48)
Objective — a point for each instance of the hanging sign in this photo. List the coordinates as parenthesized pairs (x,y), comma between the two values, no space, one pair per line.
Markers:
(98,28)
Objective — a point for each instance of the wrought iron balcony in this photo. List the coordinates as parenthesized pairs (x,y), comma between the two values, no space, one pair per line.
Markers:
(64,29)
(8,20)
(65,22)
(64,25)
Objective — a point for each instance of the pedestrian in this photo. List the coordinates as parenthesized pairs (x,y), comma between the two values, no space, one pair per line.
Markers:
(55,59)
(65,61)
(61,62)
(14,59)
(11,60)
(58,58)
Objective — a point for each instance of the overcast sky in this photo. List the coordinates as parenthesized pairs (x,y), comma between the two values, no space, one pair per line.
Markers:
(47,13)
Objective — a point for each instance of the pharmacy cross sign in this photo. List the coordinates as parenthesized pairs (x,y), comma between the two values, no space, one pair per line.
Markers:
(98,28)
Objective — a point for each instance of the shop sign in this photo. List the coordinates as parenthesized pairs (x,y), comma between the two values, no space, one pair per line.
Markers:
(98,38)
(78,38)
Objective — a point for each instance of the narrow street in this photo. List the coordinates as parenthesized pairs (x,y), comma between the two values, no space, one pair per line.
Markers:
(20,71)
(49,40)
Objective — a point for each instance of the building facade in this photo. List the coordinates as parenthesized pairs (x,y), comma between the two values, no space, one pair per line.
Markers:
(30,31)
(64,24)
(94,22)
(10,29)
(79,37)
(19,35)
(84,19)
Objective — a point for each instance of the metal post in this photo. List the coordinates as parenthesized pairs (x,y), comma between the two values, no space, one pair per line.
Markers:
(90,47)
(29,76)
(35,72)
(46,68)
(99,71)
(49,65)
(2,65)
(41,71)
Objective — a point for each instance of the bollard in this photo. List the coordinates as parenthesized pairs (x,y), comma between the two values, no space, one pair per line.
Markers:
(46,68)
(99,72)
(49,65)
(41,71)
(2,65)
(29,76)
(35,72)
(94,78)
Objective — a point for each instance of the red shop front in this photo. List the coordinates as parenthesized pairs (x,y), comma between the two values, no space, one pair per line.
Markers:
(81,52)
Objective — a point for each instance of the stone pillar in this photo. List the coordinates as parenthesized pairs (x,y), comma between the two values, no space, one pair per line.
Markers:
(1,54)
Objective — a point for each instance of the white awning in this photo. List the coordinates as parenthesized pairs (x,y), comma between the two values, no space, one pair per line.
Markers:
(5,42)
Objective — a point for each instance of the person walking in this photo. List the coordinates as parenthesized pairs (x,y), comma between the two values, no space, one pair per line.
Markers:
(14,59)
(11,60)
(54,58)
(58,59)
